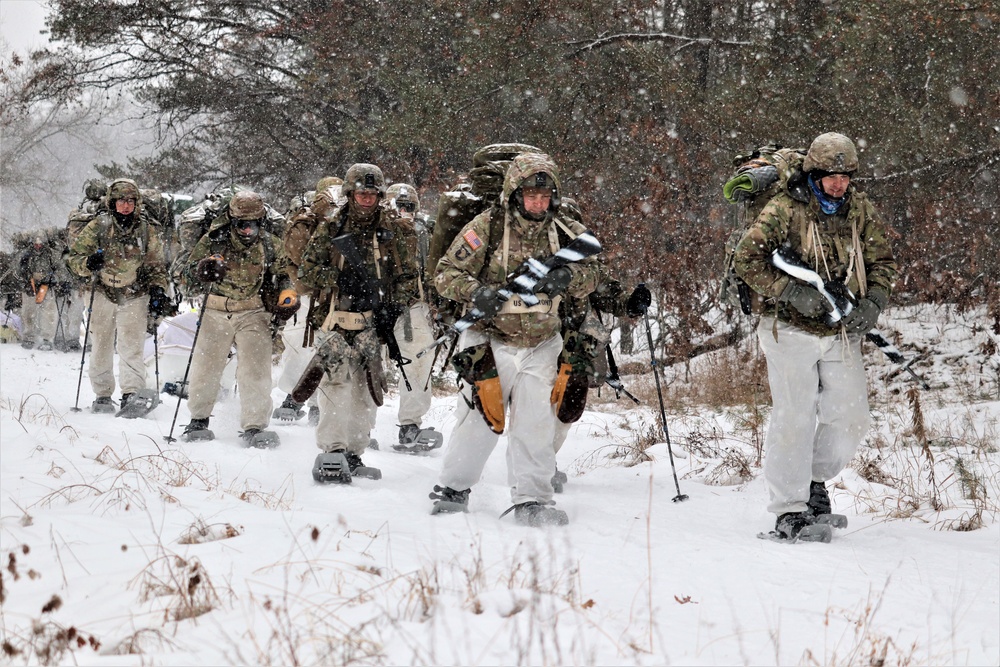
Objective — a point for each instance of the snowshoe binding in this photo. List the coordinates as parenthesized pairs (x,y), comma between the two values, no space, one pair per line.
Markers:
(197,431)
(359,469)
(537,515)
(178,389)
(139,404)
(821,508)
(415,440)
(449,501)
(289,411)
(794,527)
(103,405)
(559,481)
(254,437)
(331,468)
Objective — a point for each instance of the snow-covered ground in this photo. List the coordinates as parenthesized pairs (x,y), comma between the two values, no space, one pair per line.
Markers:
(119,548)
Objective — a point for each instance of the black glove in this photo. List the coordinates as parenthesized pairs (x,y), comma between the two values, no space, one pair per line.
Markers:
(488,300)
(159,304)
(863,318)
(211,269)
(806,299)
(555,282)
(639,301)
(95,262)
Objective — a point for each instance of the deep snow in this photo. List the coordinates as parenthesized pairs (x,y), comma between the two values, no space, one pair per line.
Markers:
(94,509)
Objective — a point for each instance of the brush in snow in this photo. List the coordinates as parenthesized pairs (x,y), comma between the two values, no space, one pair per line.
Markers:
(289,411)
(449,501)
(102,406)
(798,527)
(537,515)
(139,404)
(331,468)
(559,481)
(254,437)
(359,469)
(416,440)
(197,431)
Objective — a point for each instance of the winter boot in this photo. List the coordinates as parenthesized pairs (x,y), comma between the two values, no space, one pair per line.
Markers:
(103,405)
(197,430)
(72,346)
(359,469)
(559,481)
(537,515)
(289,410)
(800,526)
(449,501)
(45,346)
(331,468)
(138,404)
(27,344)
(819,499)
(254,437)
(415,440)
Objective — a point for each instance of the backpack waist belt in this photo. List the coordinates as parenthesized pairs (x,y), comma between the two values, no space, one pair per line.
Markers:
(227,305)
(515,306)
(120,279)
(347,320)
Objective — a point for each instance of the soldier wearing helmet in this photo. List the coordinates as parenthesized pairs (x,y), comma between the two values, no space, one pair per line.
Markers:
(39,265)
(241,268)
(815,368)
(124,258)
(517,345)
(349,301)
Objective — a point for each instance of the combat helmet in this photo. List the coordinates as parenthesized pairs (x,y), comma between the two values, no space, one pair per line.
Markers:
(401,195)
(832,153)
(363,177)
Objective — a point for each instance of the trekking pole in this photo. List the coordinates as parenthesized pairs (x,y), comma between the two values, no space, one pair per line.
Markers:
(663,412)
(60,333)
(156,361)
(180,394)
(86,339)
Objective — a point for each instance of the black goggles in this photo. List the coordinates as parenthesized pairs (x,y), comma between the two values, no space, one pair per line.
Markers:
(247,226)
(407,206)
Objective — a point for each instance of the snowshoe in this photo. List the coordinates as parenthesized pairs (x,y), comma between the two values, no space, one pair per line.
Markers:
(832,520)
(103,405)
(331,468)
(289,411)
(139,404)
(559,481)
(415,440)
(449,501)
(313,415)
(537,515)
(359,469)
(45,346)
(178,389)
(798,527)
(254,437)
(197,431)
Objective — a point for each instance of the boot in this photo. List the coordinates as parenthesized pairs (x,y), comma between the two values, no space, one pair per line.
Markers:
(789,525)
(45,346)
(537,515)
(819,499)
(448,500)
(103,405)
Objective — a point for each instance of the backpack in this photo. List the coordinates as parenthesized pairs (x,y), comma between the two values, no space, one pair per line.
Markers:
(758,177)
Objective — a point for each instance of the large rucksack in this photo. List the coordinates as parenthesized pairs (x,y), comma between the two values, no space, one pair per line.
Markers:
(758,177)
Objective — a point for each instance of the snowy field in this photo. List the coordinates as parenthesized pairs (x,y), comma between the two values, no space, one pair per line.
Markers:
(121,549)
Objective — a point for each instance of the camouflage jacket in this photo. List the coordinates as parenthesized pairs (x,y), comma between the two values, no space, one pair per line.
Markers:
(133,258)
(786,220)
(322,266)
(39,266)
(247,266)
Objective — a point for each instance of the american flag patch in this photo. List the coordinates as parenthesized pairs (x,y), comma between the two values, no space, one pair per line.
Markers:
(472,239)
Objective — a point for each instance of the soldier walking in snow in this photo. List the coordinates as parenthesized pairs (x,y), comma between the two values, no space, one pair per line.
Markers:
(242,267)
(815,369)
(125,258)
(511,356)
(38,265)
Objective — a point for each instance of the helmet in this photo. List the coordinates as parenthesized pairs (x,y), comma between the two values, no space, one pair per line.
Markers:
(328,181)
(246,205)
(123,188)
(568,206)
(94,189)
(833,153)
(401,193)
(363,177)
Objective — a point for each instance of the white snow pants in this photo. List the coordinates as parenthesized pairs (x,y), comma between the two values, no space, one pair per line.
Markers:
(39,319)
(127,324)
(527,375)
(346,408)
(250,331)
(414,403)
(820,412)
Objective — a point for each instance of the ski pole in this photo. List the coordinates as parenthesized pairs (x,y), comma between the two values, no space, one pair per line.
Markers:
(663,412)
(86,339)
(156,360)
(180,394)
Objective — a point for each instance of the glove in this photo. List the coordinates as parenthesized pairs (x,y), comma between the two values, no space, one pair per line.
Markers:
(211,269)
(862,319)
(806,299)
(95,262)
(555,283)
(288,304)
(638,301)
(159,304)
(488,300)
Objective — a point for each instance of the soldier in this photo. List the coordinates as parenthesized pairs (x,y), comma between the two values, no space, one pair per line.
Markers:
(815,369)
(355,262)
(240,265)
(414,330)
(515,345)
(37,268)
(118,250)
(73,289)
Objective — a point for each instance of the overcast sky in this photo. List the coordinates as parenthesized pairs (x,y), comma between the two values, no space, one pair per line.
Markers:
(20,23)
